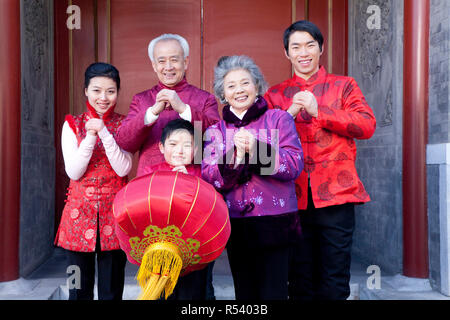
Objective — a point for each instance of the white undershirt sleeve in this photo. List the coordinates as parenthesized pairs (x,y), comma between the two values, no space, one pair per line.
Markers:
(120,160)
(187,114)
(150,117)
(76,158)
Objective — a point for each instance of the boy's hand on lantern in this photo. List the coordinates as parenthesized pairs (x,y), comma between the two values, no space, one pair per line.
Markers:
(180,169)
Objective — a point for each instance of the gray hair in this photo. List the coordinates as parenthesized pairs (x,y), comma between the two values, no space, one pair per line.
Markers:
(230,63)
(168,36)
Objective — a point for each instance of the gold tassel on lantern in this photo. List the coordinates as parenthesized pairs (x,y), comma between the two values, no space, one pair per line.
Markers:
(160,268)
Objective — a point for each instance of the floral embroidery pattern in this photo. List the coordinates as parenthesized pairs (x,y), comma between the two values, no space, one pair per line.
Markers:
(89,199)
(171,234)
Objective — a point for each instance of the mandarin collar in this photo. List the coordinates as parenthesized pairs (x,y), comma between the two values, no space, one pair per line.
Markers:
(93,114)
(178,87)
(257,109)
(165,165)
(240,116)
(320,74)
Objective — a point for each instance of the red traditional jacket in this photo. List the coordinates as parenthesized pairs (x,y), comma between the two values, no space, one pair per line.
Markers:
(328,140)
(89,201)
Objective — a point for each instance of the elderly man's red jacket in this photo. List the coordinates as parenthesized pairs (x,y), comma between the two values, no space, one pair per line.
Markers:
(328,140)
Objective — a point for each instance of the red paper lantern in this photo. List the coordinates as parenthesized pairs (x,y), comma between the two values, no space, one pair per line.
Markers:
(169,223)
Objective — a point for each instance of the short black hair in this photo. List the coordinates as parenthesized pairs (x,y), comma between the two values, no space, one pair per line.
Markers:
(174,125)
(306,26)
(100,69)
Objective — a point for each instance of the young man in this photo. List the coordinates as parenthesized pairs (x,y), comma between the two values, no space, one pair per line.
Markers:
(330,111)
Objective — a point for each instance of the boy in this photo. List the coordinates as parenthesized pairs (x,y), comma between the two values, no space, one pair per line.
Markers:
(178,148)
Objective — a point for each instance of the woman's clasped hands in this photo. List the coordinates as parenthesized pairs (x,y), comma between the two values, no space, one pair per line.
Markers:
(245,142)
(94,126)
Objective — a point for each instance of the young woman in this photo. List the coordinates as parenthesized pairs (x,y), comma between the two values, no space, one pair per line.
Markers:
(98,169)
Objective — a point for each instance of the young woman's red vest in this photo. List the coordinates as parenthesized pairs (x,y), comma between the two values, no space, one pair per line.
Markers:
(88,209)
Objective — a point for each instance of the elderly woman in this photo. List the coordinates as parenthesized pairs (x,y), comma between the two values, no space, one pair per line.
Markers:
(253,157)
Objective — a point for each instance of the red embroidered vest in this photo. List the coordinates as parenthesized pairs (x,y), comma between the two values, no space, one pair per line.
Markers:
(88,208)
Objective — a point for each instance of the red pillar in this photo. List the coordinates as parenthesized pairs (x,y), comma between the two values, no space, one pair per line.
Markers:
(9,138)
(415,134)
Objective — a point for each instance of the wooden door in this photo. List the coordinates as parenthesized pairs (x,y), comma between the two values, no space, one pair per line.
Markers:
(119,31)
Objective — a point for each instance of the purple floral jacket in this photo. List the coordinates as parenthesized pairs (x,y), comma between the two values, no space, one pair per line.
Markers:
(264,184)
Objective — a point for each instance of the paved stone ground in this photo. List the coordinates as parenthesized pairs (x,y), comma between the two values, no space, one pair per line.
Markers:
(48,282)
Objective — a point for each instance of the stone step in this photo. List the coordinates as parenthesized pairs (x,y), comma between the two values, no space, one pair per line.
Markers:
(223,289)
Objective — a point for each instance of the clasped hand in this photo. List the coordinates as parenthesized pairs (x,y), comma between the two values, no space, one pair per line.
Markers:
(245,142)
(303,100)
(167,97)
(94,126)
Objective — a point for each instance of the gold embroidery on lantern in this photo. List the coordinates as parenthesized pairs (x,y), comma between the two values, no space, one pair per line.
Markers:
(170,234)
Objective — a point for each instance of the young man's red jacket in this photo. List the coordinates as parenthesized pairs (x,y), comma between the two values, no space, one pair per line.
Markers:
(328,140)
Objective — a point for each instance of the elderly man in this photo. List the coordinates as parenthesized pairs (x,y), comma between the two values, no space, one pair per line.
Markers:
(171,98)
(330,111)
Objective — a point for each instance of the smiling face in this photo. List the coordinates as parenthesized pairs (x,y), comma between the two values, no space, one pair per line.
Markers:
(178,149)
(101,94)
(239,90)
(169,62)
(304,54)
